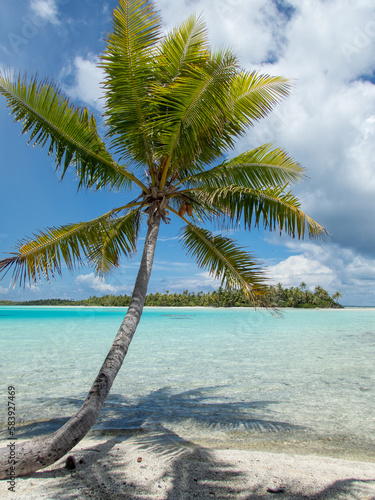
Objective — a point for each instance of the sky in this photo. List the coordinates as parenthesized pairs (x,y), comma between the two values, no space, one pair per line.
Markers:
(327,124)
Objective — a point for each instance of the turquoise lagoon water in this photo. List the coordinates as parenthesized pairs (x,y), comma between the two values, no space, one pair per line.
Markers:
(240,378)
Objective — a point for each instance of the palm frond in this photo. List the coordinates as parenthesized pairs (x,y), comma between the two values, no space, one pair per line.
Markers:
(119,237)
(224,260)
(100,241)
(193,128)
(70,132)
(253,96)
(128,62)
(185,46)
(262,166)
(233,106)
(274,206)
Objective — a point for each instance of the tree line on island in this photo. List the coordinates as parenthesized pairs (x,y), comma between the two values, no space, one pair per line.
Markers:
(278,296)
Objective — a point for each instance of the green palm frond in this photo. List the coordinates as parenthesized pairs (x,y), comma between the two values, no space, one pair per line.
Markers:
(185,46)
(262,166)
(100,241)
(224,260)
(275,207)
(193,127)
(235,104)
(253,96)
(119,237)
(128,62)
(70,132)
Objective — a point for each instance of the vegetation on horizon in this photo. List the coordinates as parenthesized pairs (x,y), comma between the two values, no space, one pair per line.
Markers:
(278,296)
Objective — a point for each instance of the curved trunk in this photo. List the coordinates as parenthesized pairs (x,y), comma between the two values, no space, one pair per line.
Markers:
(41,452)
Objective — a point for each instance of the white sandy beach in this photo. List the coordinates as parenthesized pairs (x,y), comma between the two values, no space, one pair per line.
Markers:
(154,469)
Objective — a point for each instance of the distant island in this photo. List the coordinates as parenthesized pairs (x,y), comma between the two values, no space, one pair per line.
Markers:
(297,297)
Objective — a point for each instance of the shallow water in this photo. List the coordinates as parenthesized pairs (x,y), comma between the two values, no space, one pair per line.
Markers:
(223,377)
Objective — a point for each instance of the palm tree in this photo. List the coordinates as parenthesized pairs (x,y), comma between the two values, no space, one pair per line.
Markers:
(173,110)
(336,297)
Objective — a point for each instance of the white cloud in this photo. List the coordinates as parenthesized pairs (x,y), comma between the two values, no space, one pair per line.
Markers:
(297,269)
(88,78)
(90,281)
(253,28)
(4,291)
(172,238)
(34,288)
(328,122)
(47,10)
(315,38)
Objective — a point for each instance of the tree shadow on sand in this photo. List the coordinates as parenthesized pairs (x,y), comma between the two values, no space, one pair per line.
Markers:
(190,471)
(145,427)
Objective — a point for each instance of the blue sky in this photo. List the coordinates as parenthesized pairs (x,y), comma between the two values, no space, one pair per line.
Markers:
(327,124)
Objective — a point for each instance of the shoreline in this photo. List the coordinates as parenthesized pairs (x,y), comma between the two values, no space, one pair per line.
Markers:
(343,308)
(298,442)
(157,467)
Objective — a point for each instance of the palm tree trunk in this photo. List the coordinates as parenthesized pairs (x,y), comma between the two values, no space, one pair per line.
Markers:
(41,452)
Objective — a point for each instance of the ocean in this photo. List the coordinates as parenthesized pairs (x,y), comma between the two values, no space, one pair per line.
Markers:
(227,378)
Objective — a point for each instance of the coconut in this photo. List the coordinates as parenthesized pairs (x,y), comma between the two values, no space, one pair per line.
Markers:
(182,210)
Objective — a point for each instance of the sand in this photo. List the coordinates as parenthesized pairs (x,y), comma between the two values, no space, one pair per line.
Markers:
(155,467)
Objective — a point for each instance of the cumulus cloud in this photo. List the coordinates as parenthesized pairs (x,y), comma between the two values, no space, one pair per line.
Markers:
(34,288)
(87,81)
(180,276)
(47,10)
(3,291)
(328,122)
(90,281)
(334,141)
(297,269)
(253,28)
